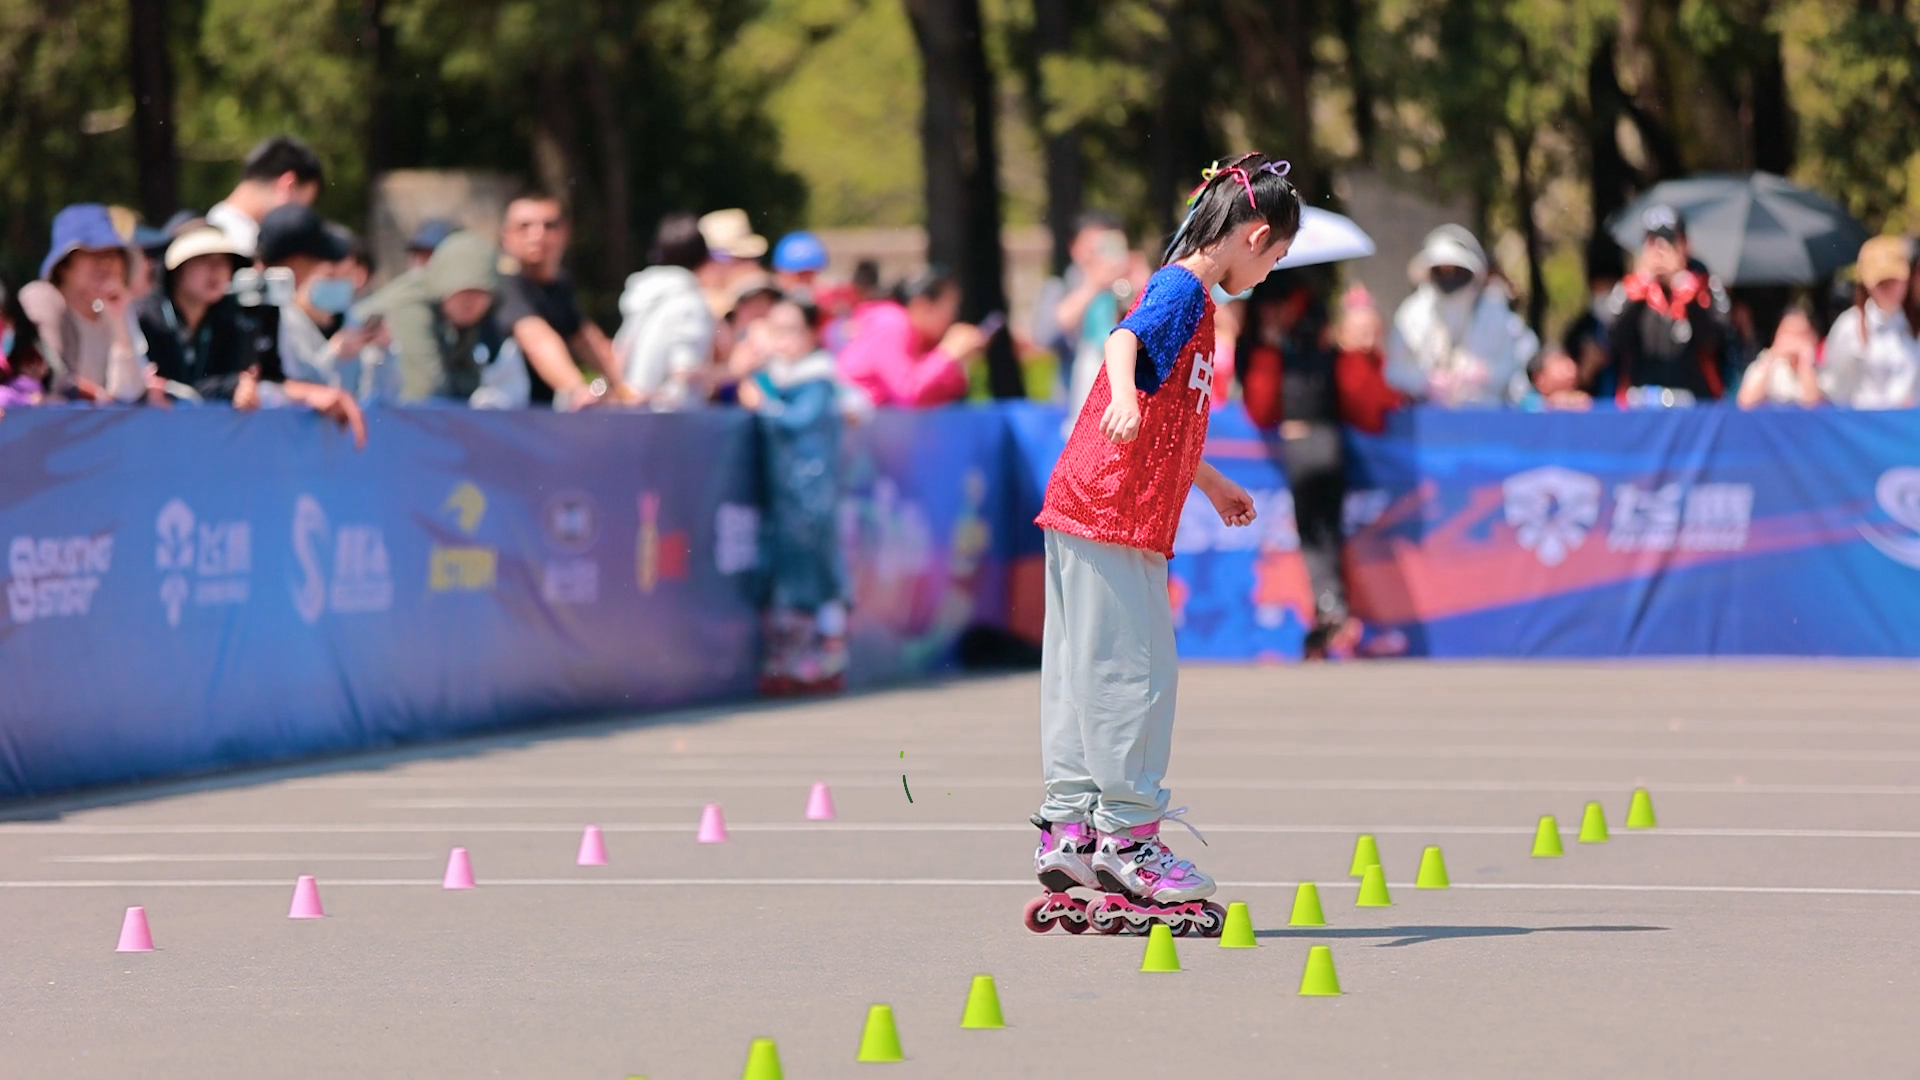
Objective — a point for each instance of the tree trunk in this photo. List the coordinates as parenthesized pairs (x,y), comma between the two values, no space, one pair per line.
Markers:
(1772,137)
(150,71)
(377,38)
(962,161)
(1065,164)
(1611,177)
(610,137)
(556,141)
(1529,228)
(1349,16)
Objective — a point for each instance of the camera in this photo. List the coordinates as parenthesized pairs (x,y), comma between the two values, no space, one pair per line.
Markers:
(253,287)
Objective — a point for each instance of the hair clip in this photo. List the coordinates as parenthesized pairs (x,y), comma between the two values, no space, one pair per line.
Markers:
(1236,170)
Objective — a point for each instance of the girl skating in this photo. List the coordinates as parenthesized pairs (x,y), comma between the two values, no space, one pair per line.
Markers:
(1108,670)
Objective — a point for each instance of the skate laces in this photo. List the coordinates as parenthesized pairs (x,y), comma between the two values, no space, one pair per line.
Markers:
(1178,817)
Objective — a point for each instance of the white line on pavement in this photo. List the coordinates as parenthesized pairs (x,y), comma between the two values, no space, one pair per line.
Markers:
(997,883)
(934,779)
(128,860)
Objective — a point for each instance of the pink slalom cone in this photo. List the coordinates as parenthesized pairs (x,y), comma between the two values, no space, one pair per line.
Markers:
(134,935)
(306,900)
(593,847)
(459,871)
(820,803)
(713,827)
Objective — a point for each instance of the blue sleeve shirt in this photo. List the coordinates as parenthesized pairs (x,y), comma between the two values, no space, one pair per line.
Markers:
(1165,320)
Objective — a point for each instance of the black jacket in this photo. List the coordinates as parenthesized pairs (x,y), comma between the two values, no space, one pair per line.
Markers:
(229,340)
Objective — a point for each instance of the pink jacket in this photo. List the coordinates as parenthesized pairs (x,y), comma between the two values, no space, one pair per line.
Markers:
(883,358)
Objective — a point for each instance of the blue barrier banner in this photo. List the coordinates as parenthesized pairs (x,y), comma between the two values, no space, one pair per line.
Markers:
(1473,534)
(199,589)
(928,517)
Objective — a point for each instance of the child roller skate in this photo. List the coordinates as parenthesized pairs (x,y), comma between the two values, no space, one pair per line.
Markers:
(1063,862)
(1146,882)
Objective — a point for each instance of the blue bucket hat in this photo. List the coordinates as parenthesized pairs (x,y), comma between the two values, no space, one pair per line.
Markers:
(799,252)
(80,227)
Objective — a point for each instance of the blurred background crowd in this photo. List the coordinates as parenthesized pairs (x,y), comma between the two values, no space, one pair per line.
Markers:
(548,204)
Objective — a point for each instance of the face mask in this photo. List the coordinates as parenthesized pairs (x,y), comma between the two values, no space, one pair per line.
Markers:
(6,343)
(331,295)
(1222,296)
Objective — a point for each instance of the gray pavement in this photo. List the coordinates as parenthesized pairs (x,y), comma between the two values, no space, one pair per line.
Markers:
(1766,928)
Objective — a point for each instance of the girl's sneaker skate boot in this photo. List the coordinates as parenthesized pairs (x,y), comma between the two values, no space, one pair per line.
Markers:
(1147,883)
(1063,861)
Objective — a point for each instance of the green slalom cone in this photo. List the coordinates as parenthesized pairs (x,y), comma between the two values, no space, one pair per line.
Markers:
(1306,906)
(1373,889)
(1319,980)
(1593,825)
(1365,853)
(983,1005)
(1546,839)
(880,1040)
(1161,955)
(1433,870)
(1238,932)
(763,1061)
(1640,810)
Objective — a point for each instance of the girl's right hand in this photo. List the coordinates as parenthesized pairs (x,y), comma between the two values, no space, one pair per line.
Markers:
(1121,422)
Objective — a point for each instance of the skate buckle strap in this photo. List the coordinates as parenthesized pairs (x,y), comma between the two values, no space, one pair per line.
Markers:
(1177,816)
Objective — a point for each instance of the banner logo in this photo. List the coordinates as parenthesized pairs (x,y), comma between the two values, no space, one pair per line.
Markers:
(571,524)
(55,577)
(216,555)
(362,574)
(1898,493)
(1550,510)
(463,567)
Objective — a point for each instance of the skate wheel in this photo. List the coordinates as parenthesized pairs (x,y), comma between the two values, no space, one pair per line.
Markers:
(1213,919)
(1107,917)
(1034,914)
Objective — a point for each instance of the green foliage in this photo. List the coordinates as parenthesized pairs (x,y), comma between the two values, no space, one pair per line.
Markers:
(1855,68)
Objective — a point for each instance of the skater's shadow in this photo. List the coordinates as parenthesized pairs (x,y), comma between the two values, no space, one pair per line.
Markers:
(1416,935)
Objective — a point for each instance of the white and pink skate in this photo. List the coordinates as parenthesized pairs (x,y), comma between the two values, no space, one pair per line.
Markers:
(1146,883)
(1063,861)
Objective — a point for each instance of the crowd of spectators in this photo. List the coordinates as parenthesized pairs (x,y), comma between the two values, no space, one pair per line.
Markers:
(260,302)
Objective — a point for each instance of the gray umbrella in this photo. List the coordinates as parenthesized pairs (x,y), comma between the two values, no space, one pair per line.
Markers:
(1758,229)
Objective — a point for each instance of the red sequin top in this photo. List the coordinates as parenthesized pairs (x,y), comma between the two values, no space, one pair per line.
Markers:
(1132,494)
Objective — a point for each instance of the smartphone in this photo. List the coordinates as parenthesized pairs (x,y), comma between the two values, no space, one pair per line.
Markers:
(1113,246)
(993,324)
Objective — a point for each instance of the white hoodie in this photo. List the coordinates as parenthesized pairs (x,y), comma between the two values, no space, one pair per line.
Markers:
(1464,348)
(666,335)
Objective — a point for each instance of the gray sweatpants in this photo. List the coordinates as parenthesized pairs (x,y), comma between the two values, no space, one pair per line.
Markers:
(1108,673)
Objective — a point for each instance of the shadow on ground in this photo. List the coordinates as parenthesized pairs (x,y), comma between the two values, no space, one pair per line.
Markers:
(1417,935)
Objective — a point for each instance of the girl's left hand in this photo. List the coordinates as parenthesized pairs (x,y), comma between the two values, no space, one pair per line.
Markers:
(1233,503)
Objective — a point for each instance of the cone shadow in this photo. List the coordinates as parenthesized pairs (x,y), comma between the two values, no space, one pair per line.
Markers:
(1416,935)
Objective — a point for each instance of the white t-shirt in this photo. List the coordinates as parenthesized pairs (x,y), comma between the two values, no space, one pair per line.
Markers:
(241,229)
(1879,372)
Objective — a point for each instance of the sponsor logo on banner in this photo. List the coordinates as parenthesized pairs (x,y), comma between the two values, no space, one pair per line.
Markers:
(209,562)
(571,524)
(1550,510)
(55,577)
(1898,493)
(362,575)
(658,556)
(463,567)
(1700,517)
(736,532)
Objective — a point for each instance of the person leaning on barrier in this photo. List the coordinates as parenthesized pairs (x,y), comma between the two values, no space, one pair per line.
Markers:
(1456,341)
(80,306)
(448,342)
(537,305)
(210,344)
(1873,356)
(1670,321)
(317,342)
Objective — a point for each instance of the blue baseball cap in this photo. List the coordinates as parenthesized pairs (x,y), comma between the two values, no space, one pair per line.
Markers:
(80,227)
(431,234)
(799,252)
